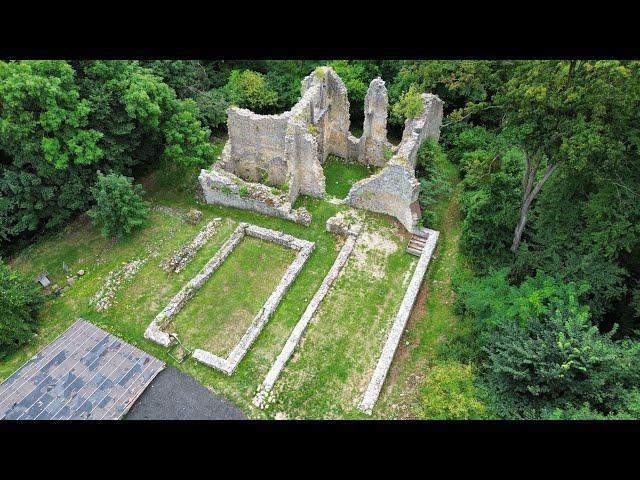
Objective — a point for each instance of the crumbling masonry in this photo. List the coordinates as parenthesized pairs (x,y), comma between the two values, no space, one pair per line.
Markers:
(271,159)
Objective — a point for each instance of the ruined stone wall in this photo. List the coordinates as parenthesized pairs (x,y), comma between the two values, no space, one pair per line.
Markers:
(288,150)
(373,143)
(395,189)
(224,188)
(417,130)
(302,148)
(256,153)
(392,191)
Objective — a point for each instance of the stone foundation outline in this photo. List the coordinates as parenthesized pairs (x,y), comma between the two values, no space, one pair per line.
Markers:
(155,333)
(278,365)
(397,329)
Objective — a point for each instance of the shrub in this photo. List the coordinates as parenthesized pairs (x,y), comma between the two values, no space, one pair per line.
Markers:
(20,302)
(119,205)
(433,183)
(409,105)
(212,106)
(449,392)
(543,353)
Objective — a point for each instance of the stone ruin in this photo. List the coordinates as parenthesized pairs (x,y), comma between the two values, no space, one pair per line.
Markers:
(269,160)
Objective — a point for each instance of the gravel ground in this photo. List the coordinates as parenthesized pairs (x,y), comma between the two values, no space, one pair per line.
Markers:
(174,395)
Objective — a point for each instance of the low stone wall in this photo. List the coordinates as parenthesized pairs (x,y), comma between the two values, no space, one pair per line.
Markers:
(154,330)
(223,188)
(180,259)
(155,333)
(304,248)
(384,363)
(264,391)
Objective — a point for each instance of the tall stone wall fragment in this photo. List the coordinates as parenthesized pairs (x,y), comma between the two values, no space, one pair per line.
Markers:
(256,146)
(373,142)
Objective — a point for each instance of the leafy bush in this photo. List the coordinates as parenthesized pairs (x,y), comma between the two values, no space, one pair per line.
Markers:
(119,205)
(449,393)
(212,107)
(249,89)
(187,142)
(542,351)
(20,302)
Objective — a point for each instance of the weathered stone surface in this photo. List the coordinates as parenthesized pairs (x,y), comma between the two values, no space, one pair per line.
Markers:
(256,146)
(373,142)
(417,130)
(227,365)
(345,223)
(81,273)
(224,188)
(399,324)
(395,189)
(154,330)
(193,216)
(180,259)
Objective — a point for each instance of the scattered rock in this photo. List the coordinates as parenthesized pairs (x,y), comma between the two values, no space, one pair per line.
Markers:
(81,273)
(180,259)
(102,299)
(72,280)
(193,216)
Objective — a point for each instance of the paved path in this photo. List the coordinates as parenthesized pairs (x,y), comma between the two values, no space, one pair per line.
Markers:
(174,395)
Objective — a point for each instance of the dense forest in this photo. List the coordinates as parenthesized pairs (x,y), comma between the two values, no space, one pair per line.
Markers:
(548,154)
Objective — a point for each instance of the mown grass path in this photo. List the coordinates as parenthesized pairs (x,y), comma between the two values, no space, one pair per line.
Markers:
(432,324)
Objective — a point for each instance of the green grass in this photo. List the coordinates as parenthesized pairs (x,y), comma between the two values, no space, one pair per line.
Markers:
(341,351)
(340,175)
(330,369)
(422,365)
(216,318)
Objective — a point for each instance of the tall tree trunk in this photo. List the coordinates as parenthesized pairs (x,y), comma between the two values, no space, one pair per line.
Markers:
(530,191)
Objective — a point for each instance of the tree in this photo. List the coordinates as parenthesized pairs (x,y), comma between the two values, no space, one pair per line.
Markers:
(577,113)
(542,350)
(409,105)
(249,89)
(20,303)
(187,143)
(119,205)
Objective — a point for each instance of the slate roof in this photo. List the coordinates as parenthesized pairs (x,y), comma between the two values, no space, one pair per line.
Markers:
(86,373)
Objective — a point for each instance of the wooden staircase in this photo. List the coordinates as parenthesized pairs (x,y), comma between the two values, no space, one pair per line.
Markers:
(417,243)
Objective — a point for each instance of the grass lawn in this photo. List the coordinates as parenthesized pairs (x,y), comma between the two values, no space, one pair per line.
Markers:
(331,368)
(334,363)
(340,175)
(216,318)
